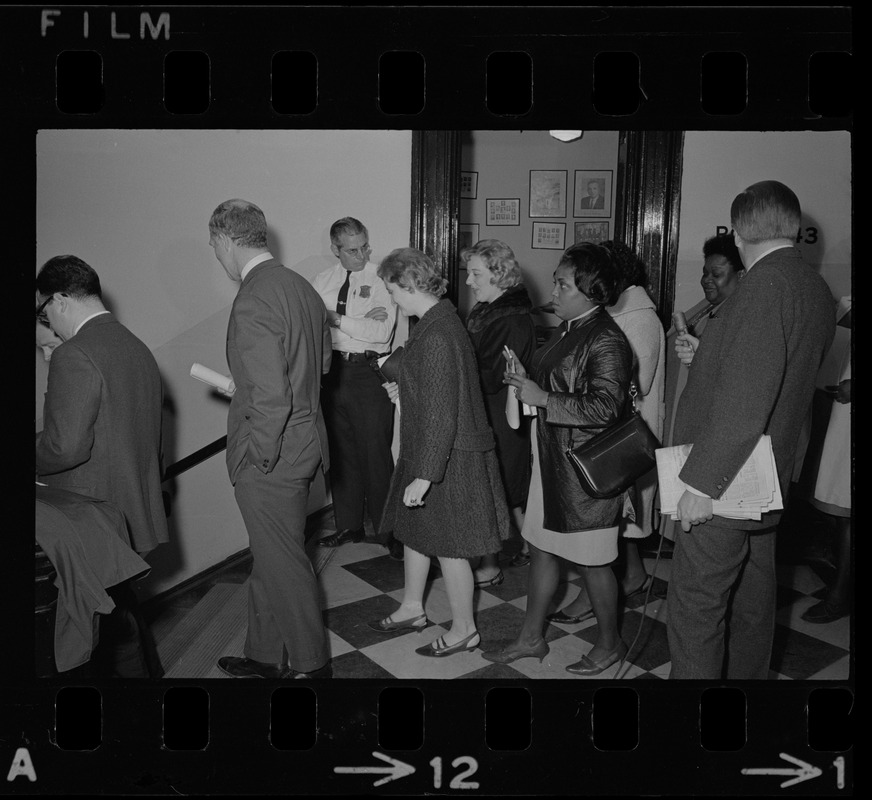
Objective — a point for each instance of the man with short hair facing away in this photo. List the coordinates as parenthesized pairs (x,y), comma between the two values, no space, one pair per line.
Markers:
(358,411)
(101,432)
(278,347)
(752,374)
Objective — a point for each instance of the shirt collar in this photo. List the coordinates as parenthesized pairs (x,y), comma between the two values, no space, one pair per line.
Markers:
(253,263)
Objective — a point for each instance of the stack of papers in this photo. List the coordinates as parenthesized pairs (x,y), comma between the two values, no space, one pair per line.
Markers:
(753,492)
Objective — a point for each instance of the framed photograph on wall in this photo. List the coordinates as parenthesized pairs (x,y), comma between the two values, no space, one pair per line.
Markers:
(548,192)
(593,193)
(469,185)
(549,235)
(596,232)
(503,211)
(467,236)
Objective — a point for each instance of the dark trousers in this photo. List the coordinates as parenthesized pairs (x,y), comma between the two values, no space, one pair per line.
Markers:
(284,601)
(126,648)
(721,603)
(359,417)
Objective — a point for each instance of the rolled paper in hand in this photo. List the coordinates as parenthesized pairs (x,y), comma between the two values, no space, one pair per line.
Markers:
(213,378)
(680,322)
(529,411)
(513,415)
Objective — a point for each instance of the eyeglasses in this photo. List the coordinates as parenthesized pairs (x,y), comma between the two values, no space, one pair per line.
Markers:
(41,316)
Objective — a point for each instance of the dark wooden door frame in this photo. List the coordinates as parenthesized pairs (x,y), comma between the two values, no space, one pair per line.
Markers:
(436,201)
(648,204)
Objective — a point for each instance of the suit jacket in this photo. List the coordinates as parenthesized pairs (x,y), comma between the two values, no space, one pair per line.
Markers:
(278,347)
(592,202)
(754,373)
(102,426)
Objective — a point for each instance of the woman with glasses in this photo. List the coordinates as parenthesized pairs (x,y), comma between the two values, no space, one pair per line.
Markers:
(579,381)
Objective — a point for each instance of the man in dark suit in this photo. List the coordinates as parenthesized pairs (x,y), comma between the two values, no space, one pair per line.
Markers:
(594,199)
(278,347)
(101,432)
(753,374)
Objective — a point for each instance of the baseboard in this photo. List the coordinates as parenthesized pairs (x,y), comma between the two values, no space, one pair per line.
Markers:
(314,523)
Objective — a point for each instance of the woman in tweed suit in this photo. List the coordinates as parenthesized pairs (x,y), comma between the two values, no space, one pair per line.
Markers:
(446,497)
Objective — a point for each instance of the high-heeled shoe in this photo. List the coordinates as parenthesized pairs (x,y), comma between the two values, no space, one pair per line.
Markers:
(386,625)
(565,619)
(588,666)
(507,655)
(438,648)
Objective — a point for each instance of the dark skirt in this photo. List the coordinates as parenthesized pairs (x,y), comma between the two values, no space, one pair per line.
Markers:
(463,516)
(513,448)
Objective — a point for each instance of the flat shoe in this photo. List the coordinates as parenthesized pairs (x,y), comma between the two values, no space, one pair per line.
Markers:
(438,648)
(495,581)
(824,612)
(588,666)
(507,655)
(345,536)
(565,619)
(639,589)
(520,559)
(386,625)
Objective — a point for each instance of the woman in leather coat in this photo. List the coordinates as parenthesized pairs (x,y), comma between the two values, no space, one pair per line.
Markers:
(579,381)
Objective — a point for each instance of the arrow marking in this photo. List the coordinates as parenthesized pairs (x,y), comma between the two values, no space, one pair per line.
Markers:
(804,772)
(398,769)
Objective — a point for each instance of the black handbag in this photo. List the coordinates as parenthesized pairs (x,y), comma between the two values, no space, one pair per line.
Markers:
(389,371)
(613,460)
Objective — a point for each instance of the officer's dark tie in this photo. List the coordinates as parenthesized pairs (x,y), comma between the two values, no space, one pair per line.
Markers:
(343,294)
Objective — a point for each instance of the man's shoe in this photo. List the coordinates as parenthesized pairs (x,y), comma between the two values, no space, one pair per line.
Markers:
(825,612)
(237,667)
(344,536)
(322,672)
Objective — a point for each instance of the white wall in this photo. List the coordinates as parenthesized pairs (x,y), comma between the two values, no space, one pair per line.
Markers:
(720,164)
(135,205)
(503,160)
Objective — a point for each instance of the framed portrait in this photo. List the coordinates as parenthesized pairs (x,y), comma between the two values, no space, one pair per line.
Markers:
(548,192)
(503,211)
(469,185)
(467,236)
(596,232)
(549,235)
(593,193)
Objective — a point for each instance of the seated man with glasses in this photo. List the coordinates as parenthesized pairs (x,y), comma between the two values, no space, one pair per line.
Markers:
(101,432)
(358,413)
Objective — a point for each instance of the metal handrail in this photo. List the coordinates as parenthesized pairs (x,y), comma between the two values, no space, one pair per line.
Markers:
(186,463)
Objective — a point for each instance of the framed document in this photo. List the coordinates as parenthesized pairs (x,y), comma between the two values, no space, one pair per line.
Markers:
(596,232)
(548,193)
(467,236)
(468,185)
(549,235)
(503,211)
(593,193)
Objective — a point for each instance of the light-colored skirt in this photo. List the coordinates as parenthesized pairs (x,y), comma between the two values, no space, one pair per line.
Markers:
(592,548)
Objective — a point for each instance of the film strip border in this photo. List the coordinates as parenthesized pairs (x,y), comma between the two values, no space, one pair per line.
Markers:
(775,68)
(352,737)
(452,68)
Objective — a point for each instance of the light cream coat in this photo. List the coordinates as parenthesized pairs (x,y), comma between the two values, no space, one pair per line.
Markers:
(636,316)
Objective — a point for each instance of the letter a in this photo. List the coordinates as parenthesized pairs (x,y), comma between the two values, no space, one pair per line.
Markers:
(21,765)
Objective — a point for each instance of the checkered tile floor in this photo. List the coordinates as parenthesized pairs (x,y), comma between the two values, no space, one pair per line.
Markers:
(361,583)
